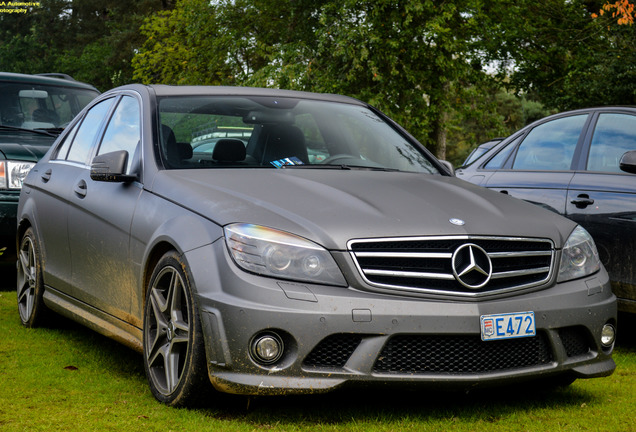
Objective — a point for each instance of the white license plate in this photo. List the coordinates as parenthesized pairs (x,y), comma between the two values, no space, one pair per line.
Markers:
(507,326)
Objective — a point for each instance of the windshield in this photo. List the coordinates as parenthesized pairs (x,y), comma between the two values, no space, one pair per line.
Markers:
(41,106)
(214,131)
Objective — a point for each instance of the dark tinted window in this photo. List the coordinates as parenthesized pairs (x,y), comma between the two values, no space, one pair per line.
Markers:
(614,135)
(81,146)
(40,105)
(550,146)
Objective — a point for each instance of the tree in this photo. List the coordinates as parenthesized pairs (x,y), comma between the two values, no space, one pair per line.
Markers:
(92,40)
(623,11)
(562,56)
(228,42)
(413,60)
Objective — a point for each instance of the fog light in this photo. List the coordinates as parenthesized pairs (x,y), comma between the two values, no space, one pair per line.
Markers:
(267,348)
(608,335)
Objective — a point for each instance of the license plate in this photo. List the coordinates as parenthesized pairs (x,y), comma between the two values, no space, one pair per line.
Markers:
(507,326)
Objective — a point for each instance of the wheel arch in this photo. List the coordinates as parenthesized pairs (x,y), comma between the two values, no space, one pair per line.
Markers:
(23,225)
(154,255)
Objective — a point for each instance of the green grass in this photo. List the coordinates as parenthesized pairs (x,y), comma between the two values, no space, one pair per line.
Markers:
(68,378)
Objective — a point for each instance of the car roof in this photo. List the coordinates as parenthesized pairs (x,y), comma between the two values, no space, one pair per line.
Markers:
(44,80)
(161,90)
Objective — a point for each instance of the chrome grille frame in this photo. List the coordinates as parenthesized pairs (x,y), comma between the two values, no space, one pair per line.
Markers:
(369,274)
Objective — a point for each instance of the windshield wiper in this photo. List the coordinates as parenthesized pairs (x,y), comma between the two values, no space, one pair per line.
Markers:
(341,167)
(54,131)
(317,166)
(49,132)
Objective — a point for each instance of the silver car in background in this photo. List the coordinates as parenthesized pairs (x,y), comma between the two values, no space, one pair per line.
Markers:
(322,247)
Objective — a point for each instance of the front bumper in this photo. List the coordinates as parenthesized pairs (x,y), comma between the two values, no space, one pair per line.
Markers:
(335,336)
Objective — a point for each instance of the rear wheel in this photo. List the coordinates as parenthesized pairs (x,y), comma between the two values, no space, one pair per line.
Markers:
(30,287)
(174,355)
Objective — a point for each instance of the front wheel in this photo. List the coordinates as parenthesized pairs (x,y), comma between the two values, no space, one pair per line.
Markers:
(174,355)
(30,286)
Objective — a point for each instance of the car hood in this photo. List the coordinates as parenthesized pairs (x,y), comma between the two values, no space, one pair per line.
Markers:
(332,207)
(25,146)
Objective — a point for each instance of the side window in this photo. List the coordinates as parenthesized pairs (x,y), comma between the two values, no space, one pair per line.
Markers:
(62,150)
(550,146)
(500,158)
(123,131)
(614,135)
(81,147)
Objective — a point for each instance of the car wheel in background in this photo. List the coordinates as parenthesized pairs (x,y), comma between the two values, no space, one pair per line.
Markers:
(174,356)
(30,288)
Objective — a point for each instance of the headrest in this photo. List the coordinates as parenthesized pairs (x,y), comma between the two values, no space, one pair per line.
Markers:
(229,150)
(185,150)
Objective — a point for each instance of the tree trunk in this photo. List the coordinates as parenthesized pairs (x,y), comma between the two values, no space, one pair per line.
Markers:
(441,121)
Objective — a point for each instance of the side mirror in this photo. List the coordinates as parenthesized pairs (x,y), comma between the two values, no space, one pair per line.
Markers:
(628,162)
(449,166)
(111,167)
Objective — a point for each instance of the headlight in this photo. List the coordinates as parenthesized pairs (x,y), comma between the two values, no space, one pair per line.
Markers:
(274,253)
(579,257)
(12,174)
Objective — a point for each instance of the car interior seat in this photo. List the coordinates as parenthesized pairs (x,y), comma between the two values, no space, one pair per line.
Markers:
(44,115)
(176,152)
(229,150)
(281,141)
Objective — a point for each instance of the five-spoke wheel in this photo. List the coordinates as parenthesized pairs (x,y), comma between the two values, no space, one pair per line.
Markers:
(30,288)
(173,345)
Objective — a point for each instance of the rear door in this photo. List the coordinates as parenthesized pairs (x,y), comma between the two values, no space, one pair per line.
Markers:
(540,165)
(52,186)
(602,198)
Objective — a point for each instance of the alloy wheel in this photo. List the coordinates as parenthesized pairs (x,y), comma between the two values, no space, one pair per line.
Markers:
(27,279)
(168,330)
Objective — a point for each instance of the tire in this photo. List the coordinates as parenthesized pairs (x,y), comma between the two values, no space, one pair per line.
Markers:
(174,354)
(30,286)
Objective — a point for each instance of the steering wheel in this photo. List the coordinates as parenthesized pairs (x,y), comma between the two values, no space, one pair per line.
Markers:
(337,157)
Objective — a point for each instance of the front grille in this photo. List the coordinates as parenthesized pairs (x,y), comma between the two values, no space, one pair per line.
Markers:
(435,264)
(333,351)
(416,354)
(575,341)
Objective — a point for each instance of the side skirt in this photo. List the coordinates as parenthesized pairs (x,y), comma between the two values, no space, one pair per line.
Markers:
(94,319)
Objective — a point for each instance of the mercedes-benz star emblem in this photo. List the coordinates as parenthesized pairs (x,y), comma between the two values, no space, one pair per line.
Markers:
(472,266)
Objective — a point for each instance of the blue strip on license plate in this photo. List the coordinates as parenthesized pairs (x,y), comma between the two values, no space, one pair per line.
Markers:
(507,326)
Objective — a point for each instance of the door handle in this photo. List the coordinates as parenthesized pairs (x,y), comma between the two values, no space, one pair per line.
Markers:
(582,201)
(46,175)
(80,189)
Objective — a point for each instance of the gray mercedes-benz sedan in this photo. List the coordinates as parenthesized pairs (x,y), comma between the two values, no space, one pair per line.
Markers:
(275,242)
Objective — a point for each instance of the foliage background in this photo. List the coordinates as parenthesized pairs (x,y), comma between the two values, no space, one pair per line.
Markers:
(454,73)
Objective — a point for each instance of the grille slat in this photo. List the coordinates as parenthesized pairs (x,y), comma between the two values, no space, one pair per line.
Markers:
(425,264)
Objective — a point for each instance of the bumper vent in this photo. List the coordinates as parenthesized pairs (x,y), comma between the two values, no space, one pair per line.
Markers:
(463,265)
(575,341)
(333,351)
(414,354)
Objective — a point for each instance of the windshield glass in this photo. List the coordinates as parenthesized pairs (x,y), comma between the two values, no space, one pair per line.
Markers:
(41,106)
(203,132)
